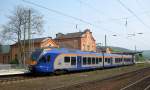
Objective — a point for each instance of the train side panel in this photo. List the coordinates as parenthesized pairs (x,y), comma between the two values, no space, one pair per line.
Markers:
(77,62)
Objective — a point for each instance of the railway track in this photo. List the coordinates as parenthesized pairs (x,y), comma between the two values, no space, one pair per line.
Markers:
(137,80)
(16,78)
(141,84)
(94,84)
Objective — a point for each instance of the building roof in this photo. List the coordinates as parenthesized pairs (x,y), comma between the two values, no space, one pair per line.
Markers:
(71,35)
(36,40)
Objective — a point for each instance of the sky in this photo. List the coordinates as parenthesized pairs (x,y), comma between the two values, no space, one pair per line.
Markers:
(106,17)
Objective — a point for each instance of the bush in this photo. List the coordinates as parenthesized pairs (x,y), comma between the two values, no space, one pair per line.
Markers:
(15,61)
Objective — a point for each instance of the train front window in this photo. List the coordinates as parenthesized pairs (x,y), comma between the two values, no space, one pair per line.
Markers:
(48,58)
(42,59)
(35,55)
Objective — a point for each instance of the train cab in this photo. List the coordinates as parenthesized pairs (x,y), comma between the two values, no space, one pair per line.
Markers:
(41,62)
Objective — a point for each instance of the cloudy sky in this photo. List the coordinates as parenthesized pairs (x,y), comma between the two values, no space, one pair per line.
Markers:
(110,17)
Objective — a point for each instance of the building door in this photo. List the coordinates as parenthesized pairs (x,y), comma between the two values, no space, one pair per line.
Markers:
(79,61)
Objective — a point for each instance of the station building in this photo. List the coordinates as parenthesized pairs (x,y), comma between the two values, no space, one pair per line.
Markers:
(83,41)
(12,53)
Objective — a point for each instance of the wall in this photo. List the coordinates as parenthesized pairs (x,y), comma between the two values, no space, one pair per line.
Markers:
(72,43)
(87,42)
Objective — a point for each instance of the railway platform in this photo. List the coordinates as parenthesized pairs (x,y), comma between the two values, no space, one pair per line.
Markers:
(13,71)
(7,69)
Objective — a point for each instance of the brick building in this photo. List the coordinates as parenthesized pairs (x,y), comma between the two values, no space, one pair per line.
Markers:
(78,40)
(36,43)
(4,54)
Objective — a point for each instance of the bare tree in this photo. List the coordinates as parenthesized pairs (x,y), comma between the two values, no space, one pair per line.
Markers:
(22,23)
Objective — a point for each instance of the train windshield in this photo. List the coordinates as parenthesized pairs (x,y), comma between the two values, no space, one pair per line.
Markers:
(42,59)
(35,55)
(45,59)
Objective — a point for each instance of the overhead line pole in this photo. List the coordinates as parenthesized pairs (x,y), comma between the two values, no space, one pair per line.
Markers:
(105,42)
(29,33)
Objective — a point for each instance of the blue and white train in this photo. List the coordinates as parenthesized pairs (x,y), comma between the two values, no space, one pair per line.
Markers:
(54,60)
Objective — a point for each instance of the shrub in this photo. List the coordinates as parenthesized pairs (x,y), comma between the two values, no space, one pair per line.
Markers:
(14,61)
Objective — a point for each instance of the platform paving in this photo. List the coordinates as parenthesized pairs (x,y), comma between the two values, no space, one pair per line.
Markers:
(13,71)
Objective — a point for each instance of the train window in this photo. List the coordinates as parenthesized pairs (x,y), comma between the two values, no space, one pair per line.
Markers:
(42,59)
(89,60)
(106,60)
(84,60)
(93,60)
(73,60)
(67,59)
(115,60)
(48,58)
(100,59)
(120,59)
(125,59)
(96,60)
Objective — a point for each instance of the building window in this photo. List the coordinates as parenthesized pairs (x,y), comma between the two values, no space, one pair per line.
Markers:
(83,46)
(88,47)
(67,59)
(3,59)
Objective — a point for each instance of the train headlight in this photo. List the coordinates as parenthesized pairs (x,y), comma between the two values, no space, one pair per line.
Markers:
(33,62)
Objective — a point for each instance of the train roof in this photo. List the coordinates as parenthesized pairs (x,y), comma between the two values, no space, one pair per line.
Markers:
(73,51)
(65,50)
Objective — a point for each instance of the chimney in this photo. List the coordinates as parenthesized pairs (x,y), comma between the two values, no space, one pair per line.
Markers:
(59,35)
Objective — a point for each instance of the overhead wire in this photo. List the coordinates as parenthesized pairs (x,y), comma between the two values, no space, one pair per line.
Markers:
(97,10)
(57,12)
(66,15)
(79,19)
(132,12)
(141,7)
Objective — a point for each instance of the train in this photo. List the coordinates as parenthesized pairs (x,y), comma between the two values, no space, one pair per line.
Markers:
(56,60)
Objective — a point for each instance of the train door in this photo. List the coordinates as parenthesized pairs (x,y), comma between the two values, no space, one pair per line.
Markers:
(79,61)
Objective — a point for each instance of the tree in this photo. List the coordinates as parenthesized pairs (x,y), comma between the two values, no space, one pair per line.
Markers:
(20,26)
